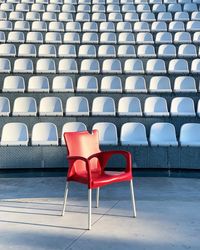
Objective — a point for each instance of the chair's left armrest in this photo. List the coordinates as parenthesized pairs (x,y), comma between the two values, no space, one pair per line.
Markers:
(104,156)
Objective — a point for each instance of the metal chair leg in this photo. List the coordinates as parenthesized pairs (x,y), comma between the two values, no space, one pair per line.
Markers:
(97,198)
(89,208)
(65,198)
(133,198)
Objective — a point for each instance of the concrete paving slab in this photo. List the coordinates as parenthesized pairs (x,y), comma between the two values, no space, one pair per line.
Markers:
(167,215)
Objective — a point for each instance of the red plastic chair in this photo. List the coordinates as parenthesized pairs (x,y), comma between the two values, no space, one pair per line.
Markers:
(87,166)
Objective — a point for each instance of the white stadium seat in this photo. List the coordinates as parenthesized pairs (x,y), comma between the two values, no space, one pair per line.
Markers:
(13,84)
(77,106)
(38,84)
(45,66)
(14,134)
(107,133)
(129,106)
(160,84)
(4,106)
(185,84)
(50,106)
(189,135)
(87,84)
(163,134)
(155,106)
(62,84)
(24,106)
(182,106)
(134,134)
(44,134)
(103,106)
(111,84)
(135,84)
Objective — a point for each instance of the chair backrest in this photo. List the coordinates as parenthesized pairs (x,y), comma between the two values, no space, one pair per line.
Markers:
(82,144)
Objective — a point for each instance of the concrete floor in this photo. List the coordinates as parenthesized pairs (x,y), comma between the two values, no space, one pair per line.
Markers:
(168,215)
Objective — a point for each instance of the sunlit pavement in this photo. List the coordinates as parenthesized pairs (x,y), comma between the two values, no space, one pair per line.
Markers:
(168,215)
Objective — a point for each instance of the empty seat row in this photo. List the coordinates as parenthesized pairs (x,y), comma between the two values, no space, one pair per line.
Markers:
(89,2)
(140,26)
(90,51)
(95,38)
(101,106)
(109,84)
(110,7)
(46,134)
(49,16)
(131,66)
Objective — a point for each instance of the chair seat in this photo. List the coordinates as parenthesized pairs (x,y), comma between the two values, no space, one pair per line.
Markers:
(102,179)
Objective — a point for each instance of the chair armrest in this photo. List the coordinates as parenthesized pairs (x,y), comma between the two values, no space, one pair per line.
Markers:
(73,159)
(104,156)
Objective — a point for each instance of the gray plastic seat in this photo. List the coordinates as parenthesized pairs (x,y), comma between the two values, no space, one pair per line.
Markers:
(50,106)
(182,106)
(163,134)
(155,106)
(62,84)
(24,106)
(44,134)
(77,106)
(4,106)
(134,134)
(189,135)
(129,106)
(14,134)
(107,133)
(103,106)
